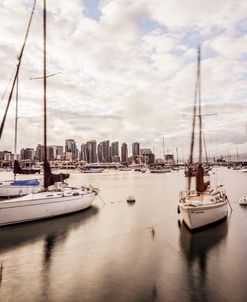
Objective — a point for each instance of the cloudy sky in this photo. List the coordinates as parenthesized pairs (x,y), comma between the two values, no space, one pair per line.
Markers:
(127,72)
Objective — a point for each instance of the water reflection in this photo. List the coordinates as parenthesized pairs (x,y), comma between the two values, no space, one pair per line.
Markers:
(53,230)
(196,247)
(1,274)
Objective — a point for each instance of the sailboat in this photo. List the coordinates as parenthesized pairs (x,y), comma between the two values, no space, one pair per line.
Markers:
(14,187)
(57,201)
(204,205)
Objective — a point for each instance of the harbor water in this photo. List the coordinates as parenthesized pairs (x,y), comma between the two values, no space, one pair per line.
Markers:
(123,252)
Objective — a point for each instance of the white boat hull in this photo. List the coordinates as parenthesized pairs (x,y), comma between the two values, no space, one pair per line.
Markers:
(43,205)
(8,190)
(196,217)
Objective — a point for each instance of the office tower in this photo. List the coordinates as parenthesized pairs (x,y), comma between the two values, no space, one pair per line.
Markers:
(91,151)
(71,151)
(124,153)
(115,152)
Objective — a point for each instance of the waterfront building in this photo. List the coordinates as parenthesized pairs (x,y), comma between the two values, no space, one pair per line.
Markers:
(59,153)
(106,151)
(70,147)
(115,152)
(39,154)
(135,151)
(147,156)
(91,151)
(83,153)
(124,153)
(27,153)
(5,154)
(68,156)
(8,156)
(169,159)
(50,153)
(100,152)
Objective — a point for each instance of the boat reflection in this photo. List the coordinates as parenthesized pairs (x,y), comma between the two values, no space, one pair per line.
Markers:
(52,230)
(197,247)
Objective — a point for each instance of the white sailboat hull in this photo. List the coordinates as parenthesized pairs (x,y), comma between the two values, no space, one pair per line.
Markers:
(196,217)
(9,190)
(43,205)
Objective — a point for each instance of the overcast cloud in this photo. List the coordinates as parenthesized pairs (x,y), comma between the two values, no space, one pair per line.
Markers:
(127,71)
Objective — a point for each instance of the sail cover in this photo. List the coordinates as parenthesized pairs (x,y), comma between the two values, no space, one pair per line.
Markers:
(29,182)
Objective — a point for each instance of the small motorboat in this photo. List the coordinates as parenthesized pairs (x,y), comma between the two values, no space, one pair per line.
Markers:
(131,198)
(243,200)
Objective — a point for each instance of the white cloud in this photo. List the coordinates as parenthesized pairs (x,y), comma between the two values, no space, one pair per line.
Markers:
(122,81)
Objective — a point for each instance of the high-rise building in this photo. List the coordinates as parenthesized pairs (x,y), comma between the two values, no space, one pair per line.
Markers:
(106,151)
(27,153)
(91,152)
(51,153)
(40,152)
(70,149)
(100,152)
(83,154)
(124,153)
(136,151)
(115,152)
(59,154)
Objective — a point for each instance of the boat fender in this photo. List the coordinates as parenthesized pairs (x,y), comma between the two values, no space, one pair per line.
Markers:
(178,210)
(20,193)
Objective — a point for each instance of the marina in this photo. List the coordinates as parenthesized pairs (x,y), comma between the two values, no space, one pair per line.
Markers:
(123,163)
(116,251)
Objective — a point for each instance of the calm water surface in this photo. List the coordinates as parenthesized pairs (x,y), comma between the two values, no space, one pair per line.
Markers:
(121,252)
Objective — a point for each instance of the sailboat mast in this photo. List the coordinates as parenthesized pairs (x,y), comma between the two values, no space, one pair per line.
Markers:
(44,79)
(16,115)
(17,70)
(199,102)
(164,154)
(16,119)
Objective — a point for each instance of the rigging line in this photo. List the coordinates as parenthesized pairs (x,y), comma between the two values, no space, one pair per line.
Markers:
(48,76)
(17,69)
(12,75)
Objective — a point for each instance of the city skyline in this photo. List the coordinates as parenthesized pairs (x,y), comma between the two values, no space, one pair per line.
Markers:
(127,69)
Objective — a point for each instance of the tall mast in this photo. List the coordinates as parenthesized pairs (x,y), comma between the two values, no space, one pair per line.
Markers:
(16,119)
(44,79)
(16,115)
(17,70)
(197,106)
(199,102)
(164,155)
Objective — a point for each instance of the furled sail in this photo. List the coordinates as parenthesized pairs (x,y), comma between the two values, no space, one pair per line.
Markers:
(51,178)
(200,185)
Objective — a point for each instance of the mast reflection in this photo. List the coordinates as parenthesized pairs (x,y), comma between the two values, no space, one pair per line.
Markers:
(196,247)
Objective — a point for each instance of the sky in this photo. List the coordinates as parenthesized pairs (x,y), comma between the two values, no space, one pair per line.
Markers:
(126,72)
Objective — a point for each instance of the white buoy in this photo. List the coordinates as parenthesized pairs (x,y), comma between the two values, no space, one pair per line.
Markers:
(131,198)
(243,200)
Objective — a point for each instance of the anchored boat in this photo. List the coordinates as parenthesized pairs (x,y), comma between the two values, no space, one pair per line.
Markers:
(203,205)
(52,201)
